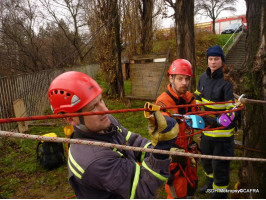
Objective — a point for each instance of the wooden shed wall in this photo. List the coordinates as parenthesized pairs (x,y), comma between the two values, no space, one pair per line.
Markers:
(145,78)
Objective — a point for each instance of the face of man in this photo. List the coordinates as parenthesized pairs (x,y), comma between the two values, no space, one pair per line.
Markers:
(94,123)
(179,83)
(214,63)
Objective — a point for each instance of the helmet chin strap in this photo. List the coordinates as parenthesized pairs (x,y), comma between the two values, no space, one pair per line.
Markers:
(82,125)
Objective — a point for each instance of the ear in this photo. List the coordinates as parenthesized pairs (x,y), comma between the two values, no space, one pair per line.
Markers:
(171,79)
(71,121)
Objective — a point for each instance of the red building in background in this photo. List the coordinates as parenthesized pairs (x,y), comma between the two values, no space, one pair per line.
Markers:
(221,23)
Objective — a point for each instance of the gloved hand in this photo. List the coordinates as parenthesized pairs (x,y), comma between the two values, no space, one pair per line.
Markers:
(210,121)
(162,129)
(175,158)
(163,132)
(193,162)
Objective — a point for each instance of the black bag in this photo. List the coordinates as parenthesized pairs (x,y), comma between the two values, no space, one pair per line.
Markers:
(51,154)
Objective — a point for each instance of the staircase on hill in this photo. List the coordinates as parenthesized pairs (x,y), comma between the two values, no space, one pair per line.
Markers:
(236,52)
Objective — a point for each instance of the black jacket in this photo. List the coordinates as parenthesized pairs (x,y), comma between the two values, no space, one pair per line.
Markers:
(213,88)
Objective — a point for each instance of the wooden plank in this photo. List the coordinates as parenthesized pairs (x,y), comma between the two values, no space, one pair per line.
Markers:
(141,98)
(20,111)
(149,57)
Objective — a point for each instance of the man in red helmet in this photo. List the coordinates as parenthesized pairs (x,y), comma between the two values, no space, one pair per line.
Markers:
(183,175)
(100,172)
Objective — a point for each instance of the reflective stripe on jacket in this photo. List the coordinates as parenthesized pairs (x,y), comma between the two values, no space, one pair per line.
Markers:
(101,172)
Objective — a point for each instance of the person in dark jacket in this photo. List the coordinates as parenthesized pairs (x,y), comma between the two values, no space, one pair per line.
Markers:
(213,88)
(99,172)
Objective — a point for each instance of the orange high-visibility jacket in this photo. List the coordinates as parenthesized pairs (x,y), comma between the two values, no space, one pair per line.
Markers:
(180,185)
(165,100)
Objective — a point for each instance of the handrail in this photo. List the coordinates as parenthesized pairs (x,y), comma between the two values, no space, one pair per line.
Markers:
(232,36)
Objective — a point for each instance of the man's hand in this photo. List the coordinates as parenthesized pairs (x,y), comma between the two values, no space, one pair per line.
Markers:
(163,130)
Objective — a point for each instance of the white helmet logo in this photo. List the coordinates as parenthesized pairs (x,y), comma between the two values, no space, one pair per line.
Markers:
(52,109)
(174,68)
(75,100)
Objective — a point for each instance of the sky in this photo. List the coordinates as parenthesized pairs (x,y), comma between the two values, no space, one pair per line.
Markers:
(240,10)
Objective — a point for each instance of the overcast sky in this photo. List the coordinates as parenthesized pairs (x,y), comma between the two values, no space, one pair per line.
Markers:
(240,10)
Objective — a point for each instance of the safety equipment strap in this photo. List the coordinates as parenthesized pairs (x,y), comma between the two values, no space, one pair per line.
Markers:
(180,101)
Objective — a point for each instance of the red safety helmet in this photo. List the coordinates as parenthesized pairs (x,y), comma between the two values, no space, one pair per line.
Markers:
(180,66)
(71,91)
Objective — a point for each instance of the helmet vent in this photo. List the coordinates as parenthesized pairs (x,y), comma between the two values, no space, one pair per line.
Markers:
(62,92)
(75,100)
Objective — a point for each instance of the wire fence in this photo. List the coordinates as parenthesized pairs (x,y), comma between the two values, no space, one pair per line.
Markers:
(32,89)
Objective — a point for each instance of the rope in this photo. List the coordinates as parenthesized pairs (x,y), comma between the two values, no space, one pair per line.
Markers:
(245,100)
(242,147)
(31,118)
(71,197)
(204,129)
(123,147)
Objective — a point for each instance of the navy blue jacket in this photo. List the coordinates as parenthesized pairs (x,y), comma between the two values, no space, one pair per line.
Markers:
(102,173)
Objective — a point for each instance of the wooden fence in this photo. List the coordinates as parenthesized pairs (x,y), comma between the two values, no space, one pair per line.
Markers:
(30,89)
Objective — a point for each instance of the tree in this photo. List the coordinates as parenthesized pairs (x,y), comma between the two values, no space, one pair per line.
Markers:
(213,8)
(72,12)
(20,50)
(146,28)
(138,25)
(130,26)
(30,43)
(103,18)
(184,32)
(58,51)
(253,174)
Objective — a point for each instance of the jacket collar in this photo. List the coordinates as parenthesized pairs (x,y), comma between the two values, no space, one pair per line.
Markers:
(107,136)
(216,74)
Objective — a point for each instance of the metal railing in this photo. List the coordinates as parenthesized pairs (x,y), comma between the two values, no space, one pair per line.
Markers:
(233,37)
